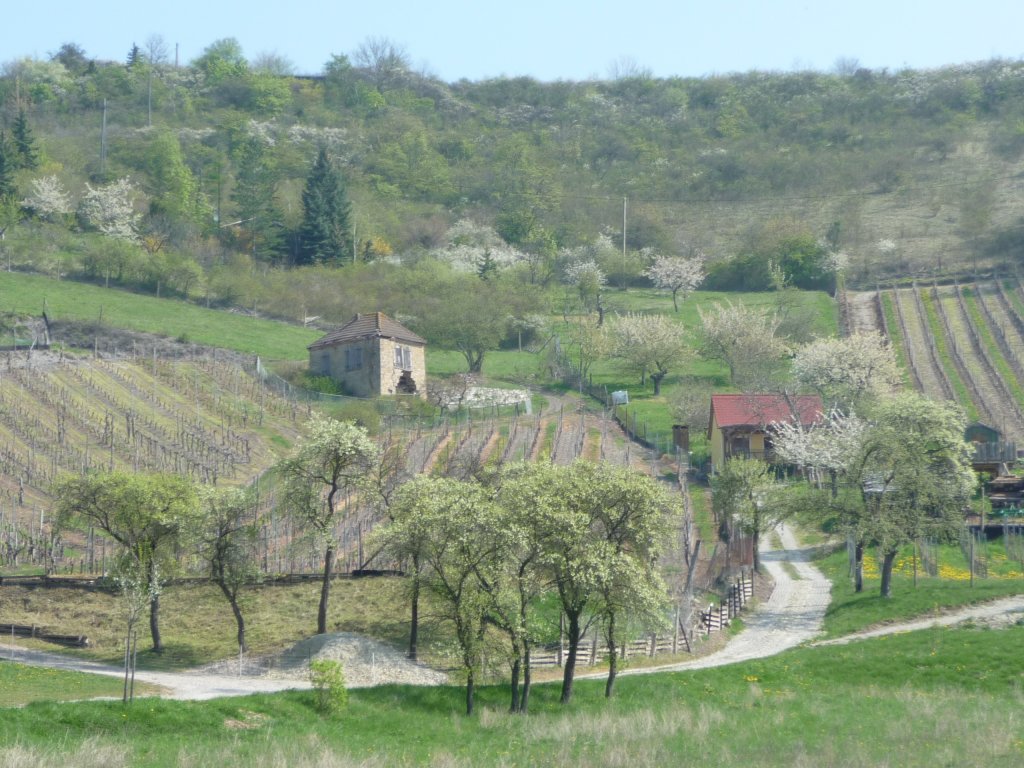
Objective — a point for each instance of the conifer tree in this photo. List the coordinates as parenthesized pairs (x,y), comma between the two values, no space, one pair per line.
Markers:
(27,156)
(134,56)
(8,165)
(254,195)
(326,234)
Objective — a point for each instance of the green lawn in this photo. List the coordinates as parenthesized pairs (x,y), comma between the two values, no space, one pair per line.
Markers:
(20,684)
(65,300)
(850,611)
(938,697)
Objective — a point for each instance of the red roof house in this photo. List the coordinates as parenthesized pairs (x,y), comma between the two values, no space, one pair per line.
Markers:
(738,424)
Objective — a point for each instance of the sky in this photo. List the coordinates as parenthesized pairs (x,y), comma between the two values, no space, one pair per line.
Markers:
(547,40)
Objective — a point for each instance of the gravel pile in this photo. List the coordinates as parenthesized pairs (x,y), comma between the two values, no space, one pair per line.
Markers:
(365,662)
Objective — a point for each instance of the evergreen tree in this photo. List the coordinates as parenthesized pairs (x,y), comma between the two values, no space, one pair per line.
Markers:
(8,165)
(326,234)
(486,266)
(27,156)
(255,187)
(134,56)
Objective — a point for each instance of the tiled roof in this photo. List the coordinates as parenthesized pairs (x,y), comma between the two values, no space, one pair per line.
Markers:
(375,325)
(762,410)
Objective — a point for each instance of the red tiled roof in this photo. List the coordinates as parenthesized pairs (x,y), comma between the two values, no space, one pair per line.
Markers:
(375,325)
(762,410)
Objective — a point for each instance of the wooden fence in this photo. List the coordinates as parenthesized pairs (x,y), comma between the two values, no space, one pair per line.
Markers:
(716,618)
(25,630)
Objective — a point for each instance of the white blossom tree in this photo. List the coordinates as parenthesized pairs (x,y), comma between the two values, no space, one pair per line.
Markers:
(111,210)
(677,274)
(48,199)
(744,339)
(848,370)
(830,446)
(469,244)
(588,278)
(331,461)
(650,344)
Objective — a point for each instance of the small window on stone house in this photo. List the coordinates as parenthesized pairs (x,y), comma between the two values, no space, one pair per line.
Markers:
(403,358)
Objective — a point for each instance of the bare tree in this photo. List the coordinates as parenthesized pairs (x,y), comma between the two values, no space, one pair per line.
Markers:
(156,50)
(628,68)
(384,61)
(273,63)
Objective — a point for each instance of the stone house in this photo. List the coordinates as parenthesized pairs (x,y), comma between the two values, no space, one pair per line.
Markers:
(372,355)
(739,424)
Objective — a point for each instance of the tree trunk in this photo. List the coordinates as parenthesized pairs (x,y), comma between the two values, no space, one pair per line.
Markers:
(757,551)
(524,697)
(675,300)
(469,692)
(887,562)
(325,590)
(237,610)
(154,623)
(858,567)
(154,607)
(613,658)
(517,665)
(656,380)
(570,663)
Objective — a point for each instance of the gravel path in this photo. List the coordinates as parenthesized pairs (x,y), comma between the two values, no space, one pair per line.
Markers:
(863,312)
(366,662)
(994,614)
(791,616)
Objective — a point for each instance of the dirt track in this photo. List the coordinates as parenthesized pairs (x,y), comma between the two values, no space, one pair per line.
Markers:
(790,617)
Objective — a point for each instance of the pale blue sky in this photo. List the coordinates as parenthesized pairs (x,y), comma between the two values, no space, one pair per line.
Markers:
(550,40)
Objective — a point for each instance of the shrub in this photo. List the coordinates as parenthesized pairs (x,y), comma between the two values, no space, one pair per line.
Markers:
(328,680)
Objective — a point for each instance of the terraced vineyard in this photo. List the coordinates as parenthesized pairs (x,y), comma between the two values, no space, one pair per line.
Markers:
(61,414)
(963,343)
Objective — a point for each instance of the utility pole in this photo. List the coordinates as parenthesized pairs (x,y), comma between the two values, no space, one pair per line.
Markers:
(103,141)
(625,207)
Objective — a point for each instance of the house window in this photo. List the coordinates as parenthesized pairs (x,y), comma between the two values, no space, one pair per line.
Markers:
(403,358)
(353,358)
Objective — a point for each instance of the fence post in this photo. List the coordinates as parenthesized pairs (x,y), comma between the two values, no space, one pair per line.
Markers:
(675,633)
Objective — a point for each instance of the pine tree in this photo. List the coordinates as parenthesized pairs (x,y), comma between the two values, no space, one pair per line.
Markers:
(326,234)
(8,165)
(134,56)
(254,193)
(27,156)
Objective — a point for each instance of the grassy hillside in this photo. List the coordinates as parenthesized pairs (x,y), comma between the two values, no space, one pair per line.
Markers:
(938,696)
(66,300)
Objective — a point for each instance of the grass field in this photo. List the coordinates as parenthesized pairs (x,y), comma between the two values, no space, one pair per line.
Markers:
(20,685)
(938,697)
(197,624)
(64,300)
(850,611)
